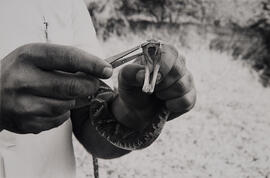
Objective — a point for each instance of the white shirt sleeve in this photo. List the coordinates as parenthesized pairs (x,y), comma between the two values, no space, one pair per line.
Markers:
(84,34)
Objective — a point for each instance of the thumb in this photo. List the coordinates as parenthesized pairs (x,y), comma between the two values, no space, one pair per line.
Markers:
(131,75)
(130,86)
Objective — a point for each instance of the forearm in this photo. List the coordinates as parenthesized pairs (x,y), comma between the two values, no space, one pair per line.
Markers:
(91,140)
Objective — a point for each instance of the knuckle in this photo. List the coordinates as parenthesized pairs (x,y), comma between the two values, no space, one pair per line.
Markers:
(11,83)
(182,104)
(182,84)
(189,100)
(28,106)
(21,85)
(57,110)
(178,69)
(33,52)
(72,60)
(95,66)
(22,106)
(25,51)
(188,81)
(57,121)
(23,81)
(72,87)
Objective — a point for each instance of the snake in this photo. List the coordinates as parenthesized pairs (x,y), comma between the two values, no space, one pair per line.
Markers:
(158,57)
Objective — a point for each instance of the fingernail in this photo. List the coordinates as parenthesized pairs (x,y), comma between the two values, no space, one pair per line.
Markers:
(107,71)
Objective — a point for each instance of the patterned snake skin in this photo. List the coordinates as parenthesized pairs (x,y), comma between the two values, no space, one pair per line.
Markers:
(117,133)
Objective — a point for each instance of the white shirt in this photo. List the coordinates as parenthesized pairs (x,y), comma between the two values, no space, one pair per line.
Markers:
(50,153)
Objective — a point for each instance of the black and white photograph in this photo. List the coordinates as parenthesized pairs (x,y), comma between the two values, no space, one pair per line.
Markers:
(135,89)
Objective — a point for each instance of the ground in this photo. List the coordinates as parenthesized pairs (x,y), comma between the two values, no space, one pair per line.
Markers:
(227,134)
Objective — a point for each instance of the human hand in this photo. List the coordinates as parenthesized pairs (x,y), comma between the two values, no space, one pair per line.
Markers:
(174,88)
(40,83)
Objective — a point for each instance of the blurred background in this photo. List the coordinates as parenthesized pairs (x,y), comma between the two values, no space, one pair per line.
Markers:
(227,47)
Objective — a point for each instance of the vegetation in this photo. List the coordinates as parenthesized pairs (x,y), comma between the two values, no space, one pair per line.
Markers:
(238,27)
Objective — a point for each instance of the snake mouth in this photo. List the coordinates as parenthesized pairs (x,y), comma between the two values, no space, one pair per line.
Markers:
(152,50)
(152,65)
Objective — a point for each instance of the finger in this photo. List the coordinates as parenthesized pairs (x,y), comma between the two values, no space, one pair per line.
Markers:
(66,58)
(178,71)
(128,75)
(169,57)
(178,89)
(60,85)
(182,104)
(33,105)
(175,115)
(130,89)
(40,124)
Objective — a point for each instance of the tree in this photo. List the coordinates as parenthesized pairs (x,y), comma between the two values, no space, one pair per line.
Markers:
(107,17)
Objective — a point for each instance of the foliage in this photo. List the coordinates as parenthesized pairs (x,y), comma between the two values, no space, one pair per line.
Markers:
(107,17)
(241,27)
(173,11)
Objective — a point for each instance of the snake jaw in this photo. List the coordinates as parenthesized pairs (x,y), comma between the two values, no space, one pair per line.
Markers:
(154,77)
(146,86)
(152,59)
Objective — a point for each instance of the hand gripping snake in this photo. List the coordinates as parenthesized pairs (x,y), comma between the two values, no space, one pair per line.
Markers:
(157,58)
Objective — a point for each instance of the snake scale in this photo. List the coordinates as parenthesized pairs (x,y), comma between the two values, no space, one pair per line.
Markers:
(157,58)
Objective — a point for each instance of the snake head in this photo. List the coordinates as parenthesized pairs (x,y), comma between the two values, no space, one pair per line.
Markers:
(151,62)
(158,58)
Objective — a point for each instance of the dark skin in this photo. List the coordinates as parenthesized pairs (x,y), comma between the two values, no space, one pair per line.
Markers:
(135,108)
(90,139)
(40,84)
